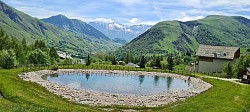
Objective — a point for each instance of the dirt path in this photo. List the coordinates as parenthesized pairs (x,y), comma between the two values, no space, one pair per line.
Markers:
(234,80)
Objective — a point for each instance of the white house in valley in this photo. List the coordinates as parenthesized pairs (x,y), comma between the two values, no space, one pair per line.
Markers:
(64,55)
(212,58)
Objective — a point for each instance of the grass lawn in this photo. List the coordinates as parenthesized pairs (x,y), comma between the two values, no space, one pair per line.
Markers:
(243,50)
(181,66)
(25,96)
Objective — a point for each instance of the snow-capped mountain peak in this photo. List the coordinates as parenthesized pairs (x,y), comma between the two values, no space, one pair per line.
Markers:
(114,30)
(104,20)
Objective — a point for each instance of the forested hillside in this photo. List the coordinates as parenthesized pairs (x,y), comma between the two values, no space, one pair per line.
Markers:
(76,26)
(20,25)
(176,36)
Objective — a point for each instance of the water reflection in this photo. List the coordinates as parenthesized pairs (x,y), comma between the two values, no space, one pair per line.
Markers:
(141,79)
(156,80)
(87,75)
(169,82)
(121,84)
(54,75)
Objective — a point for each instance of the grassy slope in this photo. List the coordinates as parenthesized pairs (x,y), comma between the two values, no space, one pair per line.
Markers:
(27,96)
(18,24)
(223,97)
(186,36)
(228,30)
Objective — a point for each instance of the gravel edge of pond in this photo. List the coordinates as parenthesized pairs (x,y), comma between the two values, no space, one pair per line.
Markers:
(98,98)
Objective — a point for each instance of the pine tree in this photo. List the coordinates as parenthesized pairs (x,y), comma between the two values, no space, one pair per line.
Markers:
(88,62)
(158,62)
(24,44)
(53,55)
(170,65)
(22,59)
(127,58)
(142,62)
(39,44)
(4,42)
(153,61)
(114,61)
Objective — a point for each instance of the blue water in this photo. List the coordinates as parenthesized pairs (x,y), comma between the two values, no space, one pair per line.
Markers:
(120,84)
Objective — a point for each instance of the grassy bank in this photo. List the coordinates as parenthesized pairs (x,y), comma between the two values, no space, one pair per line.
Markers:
(223,97)
(25,96)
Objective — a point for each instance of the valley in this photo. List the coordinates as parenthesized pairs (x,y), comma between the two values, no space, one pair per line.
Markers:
(122,56)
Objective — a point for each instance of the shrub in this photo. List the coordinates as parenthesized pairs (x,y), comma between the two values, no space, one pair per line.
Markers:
(7,59)
(54,67)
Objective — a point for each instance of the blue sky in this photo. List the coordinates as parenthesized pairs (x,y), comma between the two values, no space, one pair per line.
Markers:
(132,11)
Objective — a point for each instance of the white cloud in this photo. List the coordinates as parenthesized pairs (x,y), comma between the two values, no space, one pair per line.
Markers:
(130,2)
(149,22)
(184,17)
(193,3)
(134,20)
(214,3)
(106,20)
(188,18)
(124,11)
(39,12)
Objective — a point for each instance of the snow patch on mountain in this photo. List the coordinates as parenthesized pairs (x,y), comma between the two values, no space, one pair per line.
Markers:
(116,30)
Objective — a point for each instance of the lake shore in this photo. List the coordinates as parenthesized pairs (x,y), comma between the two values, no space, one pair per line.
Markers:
(99,98)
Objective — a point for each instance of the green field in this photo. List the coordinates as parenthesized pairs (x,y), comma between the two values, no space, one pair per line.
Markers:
(25,96)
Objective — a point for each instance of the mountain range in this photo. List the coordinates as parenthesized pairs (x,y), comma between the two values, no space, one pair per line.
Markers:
(81,38)
(176,36)
(120,32)
(67,35)
(75,26)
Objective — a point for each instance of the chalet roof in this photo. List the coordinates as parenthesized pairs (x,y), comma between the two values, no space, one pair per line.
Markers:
(220,52)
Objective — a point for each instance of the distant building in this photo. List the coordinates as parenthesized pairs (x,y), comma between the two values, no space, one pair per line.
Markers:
(246,76)
(121,63)
(132,64)
(64,55)
(212,58)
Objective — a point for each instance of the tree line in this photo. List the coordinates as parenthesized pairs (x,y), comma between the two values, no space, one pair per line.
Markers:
(16,53)
(238,68)
(155,61)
